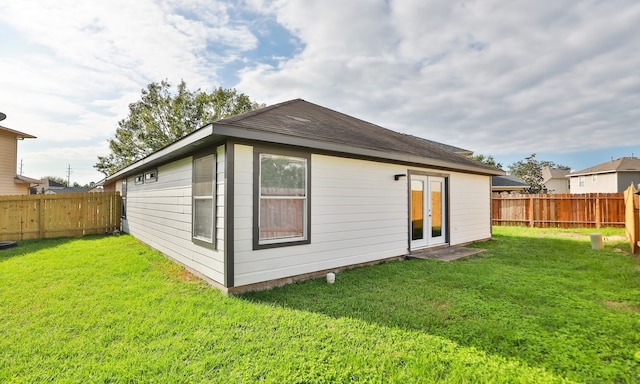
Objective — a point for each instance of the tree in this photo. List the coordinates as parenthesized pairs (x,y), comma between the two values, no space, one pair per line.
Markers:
(489,160)
(161,117)
(530,171)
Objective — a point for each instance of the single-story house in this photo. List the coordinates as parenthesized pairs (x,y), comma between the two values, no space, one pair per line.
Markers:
(610,177)
(507,184)
(296,190)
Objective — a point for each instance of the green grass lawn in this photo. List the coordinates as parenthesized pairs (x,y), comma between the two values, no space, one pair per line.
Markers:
(537,306)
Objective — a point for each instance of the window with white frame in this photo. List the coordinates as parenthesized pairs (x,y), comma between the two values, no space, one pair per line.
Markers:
(581,181)
(594,178)
(203,198)
(282,199)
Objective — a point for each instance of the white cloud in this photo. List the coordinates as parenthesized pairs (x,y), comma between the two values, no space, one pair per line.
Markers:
(72,67)
(494,76)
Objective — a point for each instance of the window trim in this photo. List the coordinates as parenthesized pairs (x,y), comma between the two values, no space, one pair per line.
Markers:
(151,176)
(257,151)
(581,180)
(195,239)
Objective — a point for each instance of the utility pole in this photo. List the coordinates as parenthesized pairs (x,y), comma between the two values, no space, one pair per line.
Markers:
(20,167)
(69,175)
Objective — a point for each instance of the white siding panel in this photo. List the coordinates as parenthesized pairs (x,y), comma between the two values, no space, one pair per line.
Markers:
(160,214)
(470,207)
(359,214)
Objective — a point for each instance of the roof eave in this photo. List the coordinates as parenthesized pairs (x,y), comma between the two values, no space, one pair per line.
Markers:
(18,134)
(179,148)
(251,134)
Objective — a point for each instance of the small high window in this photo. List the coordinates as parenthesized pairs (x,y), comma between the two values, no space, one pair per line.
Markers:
(151,176)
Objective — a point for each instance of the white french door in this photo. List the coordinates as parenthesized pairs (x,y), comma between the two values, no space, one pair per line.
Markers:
(427,210)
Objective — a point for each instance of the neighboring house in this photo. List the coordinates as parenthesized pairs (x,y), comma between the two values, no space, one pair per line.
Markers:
(50,185)
(507,184)
(610,177)
(295,190)
(10,182)
(554,180)
(54,191)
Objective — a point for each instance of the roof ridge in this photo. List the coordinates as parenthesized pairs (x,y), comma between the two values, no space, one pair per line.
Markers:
(256,112)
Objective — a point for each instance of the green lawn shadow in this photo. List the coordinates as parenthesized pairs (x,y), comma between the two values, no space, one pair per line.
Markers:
(543,301)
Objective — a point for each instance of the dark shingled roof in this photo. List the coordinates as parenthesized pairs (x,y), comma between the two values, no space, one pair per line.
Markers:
(623,164)
(507,181)
(299,118)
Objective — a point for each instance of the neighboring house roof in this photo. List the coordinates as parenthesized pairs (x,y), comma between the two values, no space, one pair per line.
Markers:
(507,182)
(623,164)
(549,173)
(20,135)
(26,180)
(300,123)
(55,184)
(67,190)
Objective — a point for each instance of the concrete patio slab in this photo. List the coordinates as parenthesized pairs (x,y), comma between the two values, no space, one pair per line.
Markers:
(445,254)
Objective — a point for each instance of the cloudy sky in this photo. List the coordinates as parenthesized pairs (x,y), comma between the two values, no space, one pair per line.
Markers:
(501,78)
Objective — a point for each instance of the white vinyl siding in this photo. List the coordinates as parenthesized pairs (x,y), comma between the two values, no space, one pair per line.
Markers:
(470,208)
(8,165)
(604,183)
(359,214)
(160,215)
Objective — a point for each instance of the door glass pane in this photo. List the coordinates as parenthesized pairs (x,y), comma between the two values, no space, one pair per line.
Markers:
(436,209)
(417,210)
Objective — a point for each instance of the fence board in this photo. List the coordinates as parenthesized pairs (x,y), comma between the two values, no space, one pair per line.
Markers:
(25,217)
(590,210)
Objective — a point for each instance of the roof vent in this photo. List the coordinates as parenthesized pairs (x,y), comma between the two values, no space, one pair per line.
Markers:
(299,119)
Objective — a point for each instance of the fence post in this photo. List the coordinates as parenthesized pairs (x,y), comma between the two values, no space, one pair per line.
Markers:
(598,211)
(41,216)
(531,223)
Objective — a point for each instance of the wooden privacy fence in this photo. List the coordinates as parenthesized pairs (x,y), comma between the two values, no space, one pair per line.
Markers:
(25,217)
(589,210)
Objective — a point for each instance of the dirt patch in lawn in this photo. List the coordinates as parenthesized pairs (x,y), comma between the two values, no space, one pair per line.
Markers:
(621,306)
